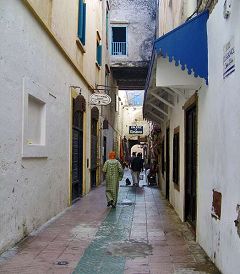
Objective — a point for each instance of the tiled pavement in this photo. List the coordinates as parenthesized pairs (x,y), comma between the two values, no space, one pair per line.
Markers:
(142,235)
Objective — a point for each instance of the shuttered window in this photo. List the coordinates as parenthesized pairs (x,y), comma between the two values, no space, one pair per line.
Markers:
(99,54)
(176,156)
(82,21)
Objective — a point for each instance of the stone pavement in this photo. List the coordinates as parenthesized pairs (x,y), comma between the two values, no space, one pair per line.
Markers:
(142,235)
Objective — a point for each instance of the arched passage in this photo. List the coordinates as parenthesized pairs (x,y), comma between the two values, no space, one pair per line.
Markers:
(137,149)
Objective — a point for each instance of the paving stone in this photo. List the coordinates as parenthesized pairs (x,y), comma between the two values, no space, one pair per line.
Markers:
(145,237)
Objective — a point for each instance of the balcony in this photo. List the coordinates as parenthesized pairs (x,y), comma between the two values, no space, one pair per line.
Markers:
(119,48)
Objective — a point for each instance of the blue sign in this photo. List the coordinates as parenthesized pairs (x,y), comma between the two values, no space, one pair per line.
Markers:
(135,129)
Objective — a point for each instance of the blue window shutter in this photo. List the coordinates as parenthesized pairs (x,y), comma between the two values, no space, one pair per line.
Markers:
(80,19)
(99,55)
(84,25)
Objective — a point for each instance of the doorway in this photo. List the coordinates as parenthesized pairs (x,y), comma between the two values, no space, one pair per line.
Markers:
(94,145)
(167,162)
(77,149)
(191,166)
(105,149)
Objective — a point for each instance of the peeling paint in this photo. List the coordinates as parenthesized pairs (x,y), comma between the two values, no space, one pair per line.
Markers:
(237,221)
(141,20)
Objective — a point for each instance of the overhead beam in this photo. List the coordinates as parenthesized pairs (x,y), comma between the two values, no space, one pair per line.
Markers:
(151,100)
(160,113)
(176,91)
(162,100)
(156,116)
(158,108)
(169,91)
(155,120)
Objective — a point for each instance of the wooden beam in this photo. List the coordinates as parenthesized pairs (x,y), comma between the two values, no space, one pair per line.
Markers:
(176,91)
(158,108)
(155,115)
(162,100)
(155,120)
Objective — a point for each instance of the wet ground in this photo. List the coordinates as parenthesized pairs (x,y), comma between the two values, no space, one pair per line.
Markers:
(142,235)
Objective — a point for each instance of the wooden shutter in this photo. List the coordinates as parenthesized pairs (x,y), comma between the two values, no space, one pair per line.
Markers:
(82,21)
(84,24)
(99,55)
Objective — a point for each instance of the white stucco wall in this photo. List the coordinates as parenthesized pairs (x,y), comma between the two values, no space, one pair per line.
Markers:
(176,119)
(173,13)
(32,190)
(109,133)
(219,133)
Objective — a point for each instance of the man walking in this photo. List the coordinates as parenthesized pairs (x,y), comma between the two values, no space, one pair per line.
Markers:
(136,167)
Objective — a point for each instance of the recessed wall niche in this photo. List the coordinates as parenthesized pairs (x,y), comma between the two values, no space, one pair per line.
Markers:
(36,121)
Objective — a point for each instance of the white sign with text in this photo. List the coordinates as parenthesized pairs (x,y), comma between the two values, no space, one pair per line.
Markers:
(228,58)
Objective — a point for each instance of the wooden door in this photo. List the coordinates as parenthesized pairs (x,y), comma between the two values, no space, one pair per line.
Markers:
(77,154)
(167,162)
(94,145)
(191,166)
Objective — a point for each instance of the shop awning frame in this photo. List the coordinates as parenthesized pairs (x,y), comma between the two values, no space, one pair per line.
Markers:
(186,48)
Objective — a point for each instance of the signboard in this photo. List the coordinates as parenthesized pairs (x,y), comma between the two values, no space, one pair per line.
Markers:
(100,99)
(228,59)
(135,129)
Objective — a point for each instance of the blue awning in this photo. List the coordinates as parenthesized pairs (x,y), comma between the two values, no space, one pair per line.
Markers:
(187,46)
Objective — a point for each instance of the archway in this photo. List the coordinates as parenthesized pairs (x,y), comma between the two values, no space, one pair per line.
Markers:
(137,149)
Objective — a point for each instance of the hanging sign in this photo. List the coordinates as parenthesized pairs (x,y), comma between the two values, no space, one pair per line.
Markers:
(99,99)
(135,129)
(228,59)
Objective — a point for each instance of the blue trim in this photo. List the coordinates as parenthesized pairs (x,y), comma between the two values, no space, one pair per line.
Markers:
(82,21)
(84,24)
(99,55)
(187,46)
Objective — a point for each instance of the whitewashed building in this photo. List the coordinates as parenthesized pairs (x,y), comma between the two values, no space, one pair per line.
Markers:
(199,119)
(53,56)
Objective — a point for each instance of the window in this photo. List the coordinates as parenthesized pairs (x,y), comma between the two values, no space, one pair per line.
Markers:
(82,22)
(99,53)
(119,40)
(176,156)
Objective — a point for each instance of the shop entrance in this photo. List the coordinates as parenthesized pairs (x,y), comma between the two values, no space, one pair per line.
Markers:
(191,166)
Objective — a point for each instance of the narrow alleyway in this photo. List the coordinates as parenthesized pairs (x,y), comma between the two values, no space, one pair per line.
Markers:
(142,235)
